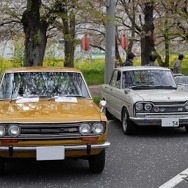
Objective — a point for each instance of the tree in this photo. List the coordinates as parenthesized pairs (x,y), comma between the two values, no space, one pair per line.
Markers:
(147,43)
(35,29)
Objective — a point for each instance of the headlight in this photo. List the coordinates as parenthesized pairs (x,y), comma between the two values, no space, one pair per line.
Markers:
(85,129)
(139,106)
(156,109)
(2,131)
(148,106)
(14,130)
(186,106)
(98,128)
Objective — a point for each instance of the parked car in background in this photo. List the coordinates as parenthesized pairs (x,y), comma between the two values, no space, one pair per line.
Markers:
(48,114)
(182,82)
(145,96)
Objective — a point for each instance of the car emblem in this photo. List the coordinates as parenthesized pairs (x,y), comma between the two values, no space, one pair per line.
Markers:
(162,109)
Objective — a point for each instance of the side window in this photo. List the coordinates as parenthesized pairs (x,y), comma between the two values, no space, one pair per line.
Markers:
(116,79)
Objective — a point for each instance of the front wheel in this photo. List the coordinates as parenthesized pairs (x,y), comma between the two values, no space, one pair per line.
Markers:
(108,114)
(186,128)
(2,168)
(97,162)
(127,125)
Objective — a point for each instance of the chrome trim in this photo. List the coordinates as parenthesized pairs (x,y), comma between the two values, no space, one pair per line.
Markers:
(147,121)
(67,148)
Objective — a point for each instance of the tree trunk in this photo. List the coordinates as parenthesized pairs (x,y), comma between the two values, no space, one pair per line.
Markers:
(35,34)
(147,43)
(69,35)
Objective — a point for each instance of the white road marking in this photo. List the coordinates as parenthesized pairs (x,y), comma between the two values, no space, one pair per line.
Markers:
(176,180)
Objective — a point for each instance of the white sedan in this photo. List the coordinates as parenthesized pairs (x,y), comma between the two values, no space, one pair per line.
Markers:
(145,96)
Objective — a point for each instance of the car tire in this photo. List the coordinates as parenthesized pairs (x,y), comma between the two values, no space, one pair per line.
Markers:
(127,125)
(97,162)
(2,167)
(108,114)
(186,128)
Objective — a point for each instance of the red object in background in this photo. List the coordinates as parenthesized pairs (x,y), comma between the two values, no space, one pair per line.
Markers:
(85,43)
(123,41)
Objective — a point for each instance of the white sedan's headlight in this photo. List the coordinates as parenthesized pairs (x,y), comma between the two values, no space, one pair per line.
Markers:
(2,131)
(98,128)
(14,130)
(148,106)
(186,106)
(139,106)
(85,129)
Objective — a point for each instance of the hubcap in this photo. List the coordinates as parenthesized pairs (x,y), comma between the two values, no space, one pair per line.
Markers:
(125,121)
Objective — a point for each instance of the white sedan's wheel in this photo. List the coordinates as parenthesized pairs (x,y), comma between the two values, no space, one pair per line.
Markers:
(186,128)
(128,126)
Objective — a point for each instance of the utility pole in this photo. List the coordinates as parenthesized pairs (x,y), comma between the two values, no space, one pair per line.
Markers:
(109,40)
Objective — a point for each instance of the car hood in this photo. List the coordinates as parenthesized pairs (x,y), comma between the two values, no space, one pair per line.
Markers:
(49,111)
(159,95)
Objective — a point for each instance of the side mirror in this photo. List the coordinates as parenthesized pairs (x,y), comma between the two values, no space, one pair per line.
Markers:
(126,91)
(102,105)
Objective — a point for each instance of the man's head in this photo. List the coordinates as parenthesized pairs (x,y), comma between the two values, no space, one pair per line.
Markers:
(130,56)
(181,56)
(152,57)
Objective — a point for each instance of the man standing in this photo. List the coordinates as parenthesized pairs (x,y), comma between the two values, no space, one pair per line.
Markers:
(152,59)
(177,65)
(129,60)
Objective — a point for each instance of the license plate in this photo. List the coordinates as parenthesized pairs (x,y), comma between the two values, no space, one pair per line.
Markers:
(50,153)
(170,122)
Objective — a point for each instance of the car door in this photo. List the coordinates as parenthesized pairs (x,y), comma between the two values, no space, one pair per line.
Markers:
(113,101)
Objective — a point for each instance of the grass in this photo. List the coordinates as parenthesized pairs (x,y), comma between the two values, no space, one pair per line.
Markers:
(97,99)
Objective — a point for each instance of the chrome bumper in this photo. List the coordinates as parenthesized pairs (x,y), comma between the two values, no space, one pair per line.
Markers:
(152,121)
(67,148)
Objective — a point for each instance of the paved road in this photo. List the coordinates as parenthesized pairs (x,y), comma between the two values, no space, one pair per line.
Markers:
(146,160)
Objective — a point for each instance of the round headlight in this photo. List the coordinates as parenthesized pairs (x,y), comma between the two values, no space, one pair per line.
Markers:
(14,130)
(186,106)
(98,128)
(148,106)
(156,109)
(2,131)
(85,129)
(139,106)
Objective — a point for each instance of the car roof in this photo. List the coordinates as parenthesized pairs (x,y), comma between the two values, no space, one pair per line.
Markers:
(41,69)
(128,68)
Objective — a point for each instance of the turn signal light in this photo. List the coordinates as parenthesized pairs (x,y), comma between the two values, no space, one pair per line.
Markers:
(8,141)
(89,138)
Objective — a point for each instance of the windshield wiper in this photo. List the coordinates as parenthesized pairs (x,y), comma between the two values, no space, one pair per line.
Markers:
(142,87)
(164,87)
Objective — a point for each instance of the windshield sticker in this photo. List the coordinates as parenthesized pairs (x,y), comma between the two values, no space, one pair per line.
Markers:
(66,99)
(24,100)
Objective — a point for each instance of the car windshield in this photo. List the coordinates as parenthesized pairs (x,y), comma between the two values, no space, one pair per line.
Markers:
(148,79)
(43,84)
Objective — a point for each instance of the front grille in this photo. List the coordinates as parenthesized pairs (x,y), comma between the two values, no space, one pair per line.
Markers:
(176,103)
(39,131)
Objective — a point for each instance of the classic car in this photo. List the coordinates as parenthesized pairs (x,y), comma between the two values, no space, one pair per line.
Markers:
(47,113)
(145,96)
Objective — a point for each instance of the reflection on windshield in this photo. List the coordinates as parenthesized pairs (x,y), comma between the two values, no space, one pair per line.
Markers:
(46,84)
(148,79)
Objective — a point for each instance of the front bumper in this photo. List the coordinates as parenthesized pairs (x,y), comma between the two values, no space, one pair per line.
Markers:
(156,121)
(88,147)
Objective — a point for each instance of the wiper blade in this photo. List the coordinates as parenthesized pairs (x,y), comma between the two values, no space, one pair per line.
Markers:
(142,87)
(164,87)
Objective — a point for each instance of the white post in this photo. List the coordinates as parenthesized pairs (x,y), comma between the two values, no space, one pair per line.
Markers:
(110,40)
